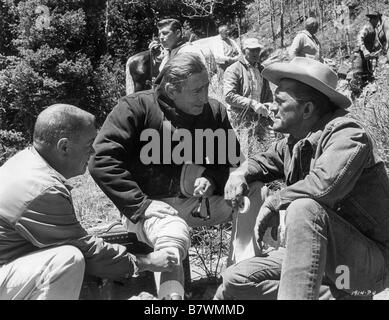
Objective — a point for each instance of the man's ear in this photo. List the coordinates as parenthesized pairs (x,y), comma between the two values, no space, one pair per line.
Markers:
(63,146)
(309,109)
(170,91)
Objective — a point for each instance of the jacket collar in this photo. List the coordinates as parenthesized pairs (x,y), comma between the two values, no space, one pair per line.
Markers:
(314,135)
(246,64)
(52,171)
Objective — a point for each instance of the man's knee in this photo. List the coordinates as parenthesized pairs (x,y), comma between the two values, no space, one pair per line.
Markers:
(173,232)
(71,257)
(303,211)
(258,187)
(233,280)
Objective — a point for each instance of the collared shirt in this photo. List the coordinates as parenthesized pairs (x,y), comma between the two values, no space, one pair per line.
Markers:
(182,48)
(307,45)
(255,81)
(224,49)
(36,211)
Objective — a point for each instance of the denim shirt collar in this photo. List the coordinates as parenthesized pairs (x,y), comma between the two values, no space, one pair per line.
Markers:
(314,135)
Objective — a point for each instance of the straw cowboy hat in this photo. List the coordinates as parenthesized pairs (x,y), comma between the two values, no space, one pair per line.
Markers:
(251,43)
(311,72)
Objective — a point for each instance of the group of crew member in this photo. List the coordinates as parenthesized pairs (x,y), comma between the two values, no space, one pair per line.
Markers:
(335,197)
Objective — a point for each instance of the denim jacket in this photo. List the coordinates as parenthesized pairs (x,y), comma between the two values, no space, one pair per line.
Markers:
(337,165)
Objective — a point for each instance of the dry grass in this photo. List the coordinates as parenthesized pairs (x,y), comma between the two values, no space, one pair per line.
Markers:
(92,206)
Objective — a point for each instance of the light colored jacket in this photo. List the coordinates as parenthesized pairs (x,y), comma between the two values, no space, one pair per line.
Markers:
(36,212)
(237,87)
(217,47)
(306,45)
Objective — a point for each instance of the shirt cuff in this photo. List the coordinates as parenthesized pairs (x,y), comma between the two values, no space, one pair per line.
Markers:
(134,268)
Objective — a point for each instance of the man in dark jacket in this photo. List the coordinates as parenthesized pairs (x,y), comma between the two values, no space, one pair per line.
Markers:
(336,196)
(44,250)
(157,159)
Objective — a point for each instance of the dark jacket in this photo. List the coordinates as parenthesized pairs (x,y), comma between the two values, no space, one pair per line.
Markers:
(119,166)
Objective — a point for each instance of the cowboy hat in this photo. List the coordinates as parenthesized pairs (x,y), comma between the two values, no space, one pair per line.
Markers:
(251,43)
(311,72)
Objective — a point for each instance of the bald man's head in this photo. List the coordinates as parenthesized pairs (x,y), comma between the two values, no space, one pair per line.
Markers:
(60,121)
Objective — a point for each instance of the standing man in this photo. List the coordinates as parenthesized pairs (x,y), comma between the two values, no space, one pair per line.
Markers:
(175,180)
(225,50)
(306,44)
(336,196)
(245,90)
(368,45)
(44,251)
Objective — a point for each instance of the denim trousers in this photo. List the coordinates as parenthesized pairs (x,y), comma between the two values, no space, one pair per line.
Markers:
(324,257)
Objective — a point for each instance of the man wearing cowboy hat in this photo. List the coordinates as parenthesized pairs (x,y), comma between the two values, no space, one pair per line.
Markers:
(245,89)
(336,196)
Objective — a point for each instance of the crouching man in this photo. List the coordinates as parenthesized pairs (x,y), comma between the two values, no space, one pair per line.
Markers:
(44,251)
(160,176)
(336,198)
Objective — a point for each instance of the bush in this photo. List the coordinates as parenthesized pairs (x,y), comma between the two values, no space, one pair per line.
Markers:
(10,143)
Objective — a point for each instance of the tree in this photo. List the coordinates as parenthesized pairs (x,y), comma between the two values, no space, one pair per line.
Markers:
(8,19)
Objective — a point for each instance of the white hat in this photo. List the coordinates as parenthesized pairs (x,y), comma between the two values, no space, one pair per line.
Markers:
(251,43)
(311,72)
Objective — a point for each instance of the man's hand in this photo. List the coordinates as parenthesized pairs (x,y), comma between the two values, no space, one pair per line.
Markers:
(261,109)
(236,188)
(203,188)
(158,261)
(159,209)
(266,219)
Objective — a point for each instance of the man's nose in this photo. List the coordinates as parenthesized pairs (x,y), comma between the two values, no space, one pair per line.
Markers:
(273,107)
(204,96)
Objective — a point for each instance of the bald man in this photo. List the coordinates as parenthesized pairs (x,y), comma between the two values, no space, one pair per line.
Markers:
(306,44)
(44,251)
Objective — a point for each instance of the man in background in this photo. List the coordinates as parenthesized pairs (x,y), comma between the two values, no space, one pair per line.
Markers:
(225,50)
(306,44)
